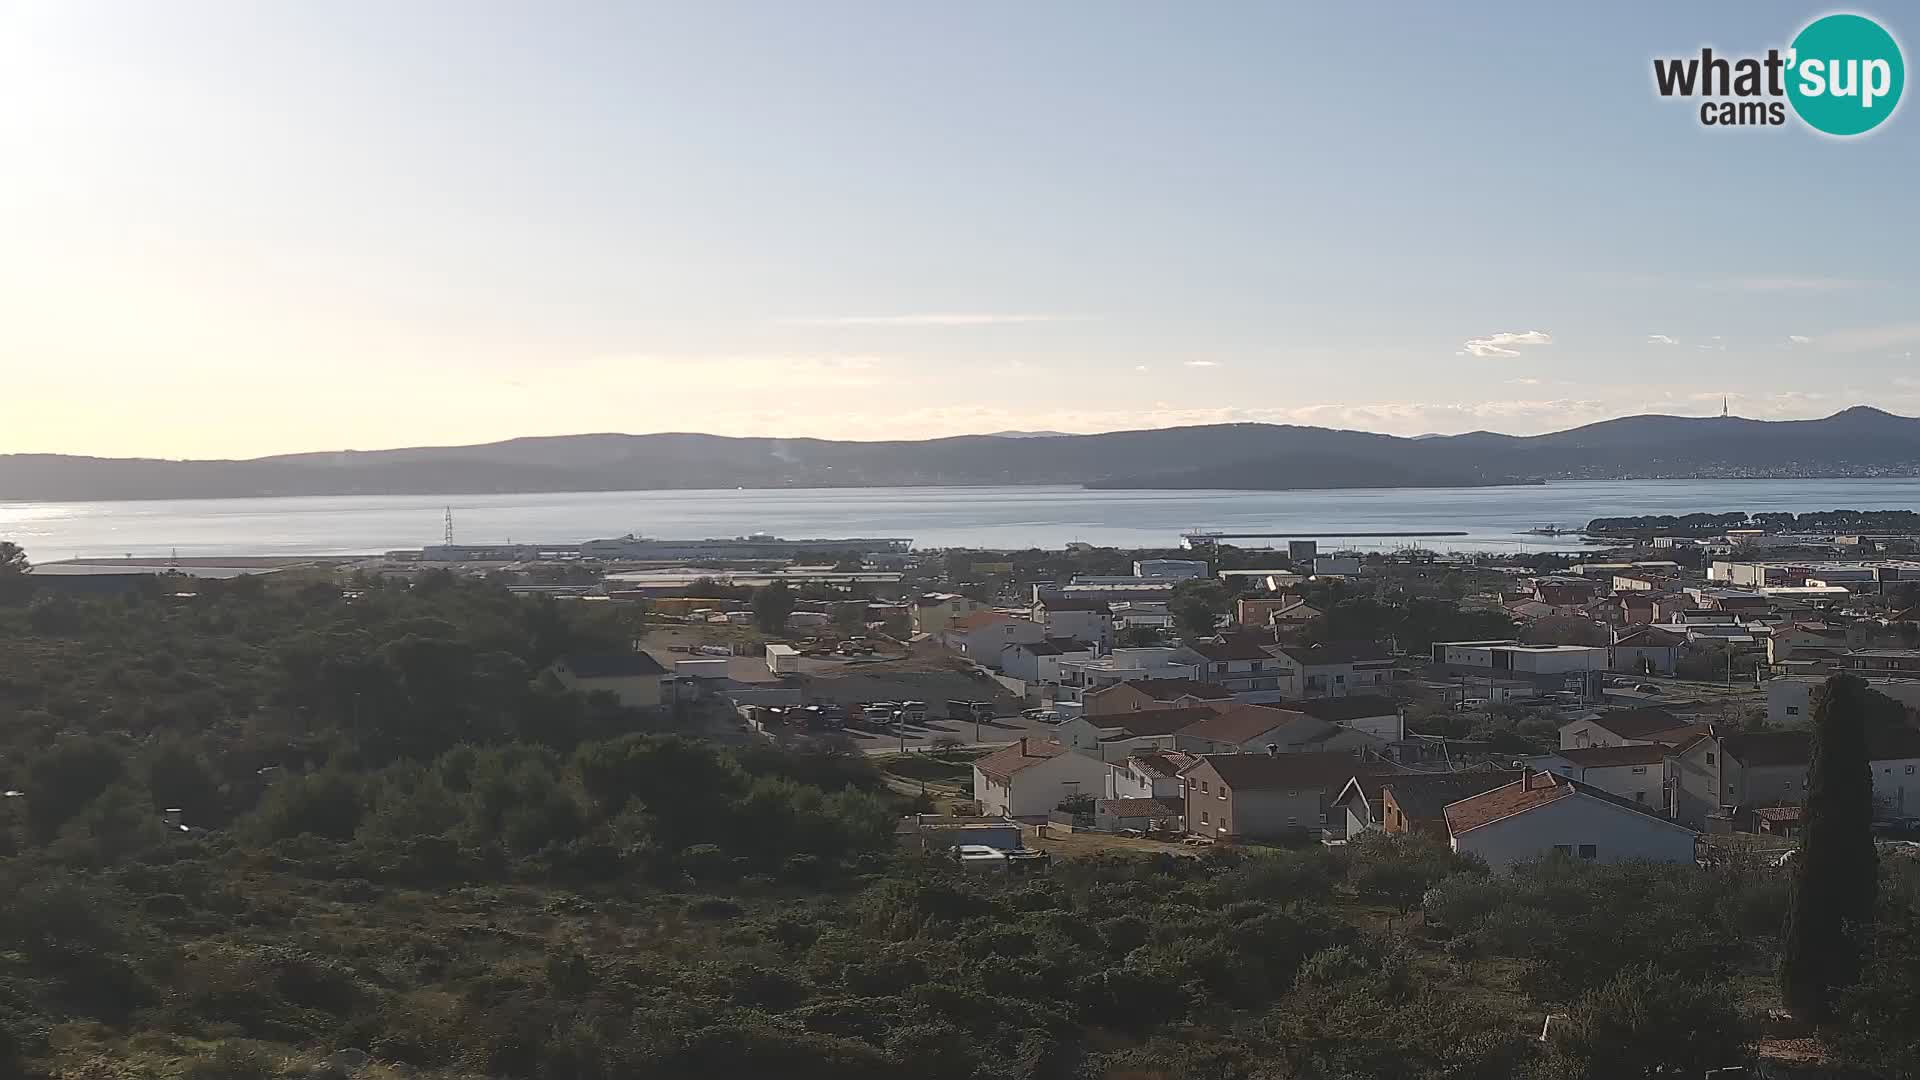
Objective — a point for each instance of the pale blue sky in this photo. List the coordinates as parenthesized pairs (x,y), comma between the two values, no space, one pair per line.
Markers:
(242,228)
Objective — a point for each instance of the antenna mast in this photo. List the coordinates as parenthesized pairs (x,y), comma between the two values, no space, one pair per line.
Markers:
(449,533)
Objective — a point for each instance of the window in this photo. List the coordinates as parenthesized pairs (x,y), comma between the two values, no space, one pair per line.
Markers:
(1223,824)
(1339,678)
(1323,817)
(1589,851)
(1729,789)
(1639,770)
(1203,817)
(1563,849)
(1219,669)
(1256,665)
(1709,757)
(1793,710)
(1640,796)
(1909,770)
(1222,796)
(1293,823)
(1203,785)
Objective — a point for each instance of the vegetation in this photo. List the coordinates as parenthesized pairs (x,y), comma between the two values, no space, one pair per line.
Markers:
(402,838)
(1834,878)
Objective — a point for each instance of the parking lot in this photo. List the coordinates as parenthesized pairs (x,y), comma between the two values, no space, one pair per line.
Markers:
(998,731)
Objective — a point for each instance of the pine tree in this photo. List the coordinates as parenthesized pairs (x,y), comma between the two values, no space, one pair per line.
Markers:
(1835,877)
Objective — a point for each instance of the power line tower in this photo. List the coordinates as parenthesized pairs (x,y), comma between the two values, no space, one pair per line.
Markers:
(449,532)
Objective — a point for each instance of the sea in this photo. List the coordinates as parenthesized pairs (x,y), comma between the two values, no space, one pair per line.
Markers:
(1491,518)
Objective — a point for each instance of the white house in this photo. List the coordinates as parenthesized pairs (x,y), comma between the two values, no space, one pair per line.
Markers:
(1636,773)
(1622,727)
(1115,736)
(633,677)
(1039,661)
(1080,620)
(1031,777)
(1543,814)
(934,612)
(1645,650)
(1335,669)
(1242,666)
(981,636)
(1374,714)
(1256,729)
(1152,775)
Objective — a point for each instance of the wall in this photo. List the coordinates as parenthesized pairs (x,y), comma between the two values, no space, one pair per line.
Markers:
(1696,790)
(1643,787)
(1896,787)
(1389,727)
(1619,834)
(1627,658)
(1790,700)
(1037,789)
(1090,626)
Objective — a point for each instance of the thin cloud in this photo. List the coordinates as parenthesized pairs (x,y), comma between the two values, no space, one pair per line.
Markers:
(939,319)
(1766,284)
(1871,338)
(1662,339)
(1798,339)
(1506,343)
(1140,367)
(1201,363)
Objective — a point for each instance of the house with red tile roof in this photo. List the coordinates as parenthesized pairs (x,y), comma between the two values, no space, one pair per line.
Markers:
(1031,777)
(1543,814)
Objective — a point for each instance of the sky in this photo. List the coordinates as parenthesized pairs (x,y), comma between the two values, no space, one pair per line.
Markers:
(231,229)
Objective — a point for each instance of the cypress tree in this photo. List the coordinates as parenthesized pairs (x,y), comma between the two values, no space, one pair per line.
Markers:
(1835,876)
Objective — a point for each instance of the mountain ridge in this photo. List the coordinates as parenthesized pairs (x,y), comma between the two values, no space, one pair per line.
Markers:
(1857,441)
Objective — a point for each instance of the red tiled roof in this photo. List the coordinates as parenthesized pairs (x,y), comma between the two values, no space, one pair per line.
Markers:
(1328,770)
(1231,649)
(1163,762)
(1147,722)
(1533,790)
(1639,723)
(1237,725)
(1337,652)
(1003,763)
(979,619)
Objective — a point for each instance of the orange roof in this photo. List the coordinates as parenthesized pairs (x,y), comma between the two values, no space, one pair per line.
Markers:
(1533,790)
(979,619)
(1003,763)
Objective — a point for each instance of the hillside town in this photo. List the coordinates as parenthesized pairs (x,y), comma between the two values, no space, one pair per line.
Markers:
(1646,700)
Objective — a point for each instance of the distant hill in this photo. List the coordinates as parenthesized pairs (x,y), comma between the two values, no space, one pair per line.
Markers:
(1857,442)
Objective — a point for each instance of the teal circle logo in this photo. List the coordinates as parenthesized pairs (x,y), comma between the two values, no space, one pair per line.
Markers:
(1845,74)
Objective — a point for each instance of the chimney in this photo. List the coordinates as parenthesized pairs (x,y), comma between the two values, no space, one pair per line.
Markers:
(1023,746)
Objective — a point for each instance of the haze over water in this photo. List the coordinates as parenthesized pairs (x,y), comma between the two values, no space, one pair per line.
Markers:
(1493,518)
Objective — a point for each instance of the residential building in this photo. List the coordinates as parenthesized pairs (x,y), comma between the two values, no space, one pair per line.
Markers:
(1870,662)
(1154,774)
(1645,650)
(1790,697)
(1031,777)
(1129,665)
(1241,665)
(1170,569)
(1257,729)
(1335,566)
(982,636)
(1151,694)
(1117,736)
(634,678)
(1374,714)
(1334,669)
(1727,776)
(1635,772)
(1276,612)
(1620,727)
(1542,814)
(1269,797)
(1413,802)
(1039,661)
(1081,620)
(933,612)
(1510,659)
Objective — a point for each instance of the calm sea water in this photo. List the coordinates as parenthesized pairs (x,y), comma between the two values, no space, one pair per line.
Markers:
(1493,518)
